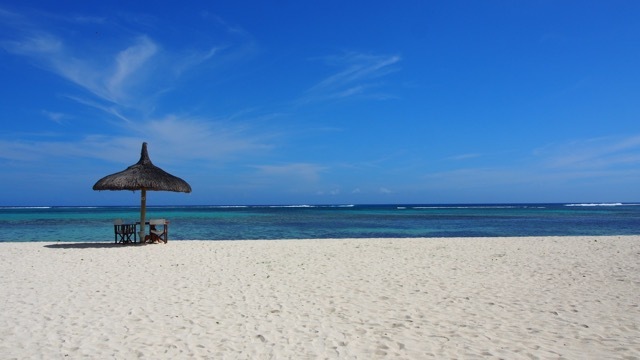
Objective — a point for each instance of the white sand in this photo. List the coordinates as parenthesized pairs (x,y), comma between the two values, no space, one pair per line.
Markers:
(511,298)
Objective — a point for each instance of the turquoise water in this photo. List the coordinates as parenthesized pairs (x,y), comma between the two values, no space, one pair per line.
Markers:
(95,224)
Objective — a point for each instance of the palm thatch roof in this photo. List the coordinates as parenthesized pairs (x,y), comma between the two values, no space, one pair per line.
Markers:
(143,176)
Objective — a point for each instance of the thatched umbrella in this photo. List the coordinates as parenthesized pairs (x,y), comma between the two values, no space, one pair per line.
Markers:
(143,176)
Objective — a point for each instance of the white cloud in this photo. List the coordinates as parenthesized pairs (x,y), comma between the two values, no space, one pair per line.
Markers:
(304,171)
(123,70)
(462,157)
(105,75)
(37,44)
(356,77)
(127,63)
(174,139)
(195,138)
(109,77)
(194,58)
(122,76)
(602,153)
(614,158)
(359,67)
(55,116)
(331,192)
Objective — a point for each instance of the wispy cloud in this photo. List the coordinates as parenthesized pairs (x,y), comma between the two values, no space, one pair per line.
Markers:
(330,192)
(358,76)
(36,44)
(300,171)
(127,63)
(56,117)
(616,158)
(194,58)
(127,68)
(106,75)
(108,108)
(175,139)
(596,153)
(462,157)
(206,139)
(123,75)
(110,78)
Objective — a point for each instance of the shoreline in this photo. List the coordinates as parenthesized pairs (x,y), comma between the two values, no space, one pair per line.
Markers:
(411,298)
(109,243)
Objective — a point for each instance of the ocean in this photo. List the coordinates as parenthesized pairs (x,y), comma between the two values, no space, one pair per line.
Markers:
(95,224)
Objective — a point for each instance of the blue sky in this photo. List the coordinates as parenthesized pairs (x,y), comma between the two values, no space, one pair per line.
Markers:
(322,102)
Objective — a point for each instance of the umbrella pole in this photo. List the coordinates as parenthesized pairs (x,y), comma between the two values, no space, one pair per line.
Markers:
(143,213)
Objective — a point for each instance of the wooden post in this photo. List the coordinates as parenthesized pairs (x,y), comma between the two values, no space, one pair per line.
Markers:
(143,213)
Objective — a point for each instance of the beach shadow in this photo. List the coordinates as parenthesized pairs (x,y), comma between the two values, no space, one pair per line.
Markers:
(90,245)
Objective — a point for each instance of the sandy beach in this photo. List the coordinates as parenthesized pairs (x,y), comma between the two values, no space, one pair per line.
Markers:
(457,298)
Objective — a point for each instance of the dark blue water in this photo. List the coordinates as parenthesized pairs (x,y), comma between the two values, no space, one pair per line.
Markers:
(86,224)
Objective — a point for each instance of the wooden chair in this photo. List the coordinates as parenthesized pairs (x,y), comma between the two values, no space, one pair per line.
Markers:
(123,232)
(158,230)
